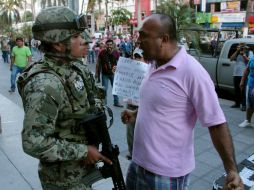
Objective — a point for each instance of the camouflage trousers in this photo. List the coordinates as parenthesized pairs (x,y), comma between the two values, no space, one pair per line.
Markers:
(72,178)
(76,187)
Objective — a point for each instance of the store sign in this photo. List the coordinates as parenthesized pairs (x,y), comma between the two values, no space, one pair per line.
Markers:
(196,2)
(251,19)
(133,20)
(230,17)
(214,19)
(231,6)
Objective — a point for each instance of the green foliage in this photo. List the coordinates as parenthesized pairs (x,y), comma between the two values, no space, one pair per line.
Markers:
(183,14)
(120,16)
(9,13)
(184,17)
(97,13)
(7,30)
(27,16)
(26,30)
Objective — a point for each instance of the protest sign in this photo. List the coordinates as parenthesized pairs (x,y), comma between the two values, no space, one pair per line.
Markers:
(128,77)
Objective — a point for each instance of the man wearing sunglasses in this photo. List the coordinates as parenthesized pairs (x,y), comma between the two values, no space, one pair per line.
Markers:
(57,93)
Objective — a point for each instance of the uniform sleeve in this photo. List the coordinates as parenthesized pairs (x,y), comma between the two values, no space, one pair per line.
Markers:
(44,98)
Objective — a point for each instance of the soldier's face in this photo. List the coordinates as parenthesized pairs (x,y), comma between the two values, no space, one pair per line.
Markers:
(78,46)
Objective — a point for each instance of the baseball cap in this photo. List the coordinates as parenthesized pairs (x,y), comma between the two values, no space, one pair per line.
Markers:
(138,51)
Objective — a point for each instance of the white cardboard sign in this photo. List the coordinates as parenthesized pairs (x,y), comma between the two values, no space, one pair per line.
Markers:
(128,76)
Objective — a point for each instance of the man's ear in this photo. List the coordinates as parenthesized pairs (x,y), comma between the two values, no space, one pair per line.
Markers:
(59,47)
(165,38)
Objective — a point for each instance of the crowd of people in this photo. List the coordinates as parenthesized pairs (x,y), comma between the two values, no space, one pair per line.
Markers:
(60,90)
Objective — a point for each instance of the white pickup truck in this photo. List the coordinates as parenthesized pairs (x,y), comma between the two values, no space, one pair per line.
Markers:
(220,67)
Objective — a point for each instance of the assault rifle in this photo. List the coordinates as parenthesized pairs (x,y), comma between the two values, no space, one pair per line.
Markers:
(97,134)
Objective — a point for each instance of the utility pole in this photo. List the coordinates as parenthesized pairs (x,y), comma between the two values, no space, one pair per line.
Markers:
(106,23)
(139,14)
(155,6)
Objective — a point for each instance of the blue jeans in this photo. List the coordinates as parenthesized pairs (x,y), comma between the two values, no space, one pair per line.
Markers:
(5,55)
(15,71)
(140,179)
(91,56)
(105,79)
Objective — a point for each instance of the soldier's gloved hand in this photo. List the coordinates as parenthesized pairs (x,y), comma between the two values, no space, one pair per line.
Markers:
(94,156)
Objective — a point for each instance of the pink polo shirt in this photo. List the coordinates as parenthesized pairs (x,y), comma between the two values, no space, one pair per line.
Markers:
(172,97)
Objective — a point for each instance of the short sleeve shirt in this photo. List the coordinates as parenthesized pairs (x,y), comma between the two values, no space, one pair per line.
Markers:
(21,55)
(172,98)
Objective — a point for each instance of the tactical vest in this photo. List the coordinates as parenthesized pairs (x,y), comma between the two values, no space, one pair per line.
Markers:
(76,100)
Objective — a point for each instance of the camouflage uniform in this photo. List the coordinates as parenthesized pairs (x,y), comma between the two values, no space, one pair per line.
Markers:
(55,96)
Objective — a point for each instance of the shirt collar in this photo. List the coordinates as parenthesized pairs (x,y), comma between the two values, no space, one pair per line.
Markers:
(175,62)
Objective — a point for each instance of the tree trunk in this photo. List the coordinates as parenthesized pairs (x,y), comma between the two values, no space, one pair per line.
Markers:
(33,8)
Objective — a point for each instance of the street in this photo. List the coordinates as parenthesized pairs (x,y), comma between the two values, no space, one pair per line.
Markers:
(21,173)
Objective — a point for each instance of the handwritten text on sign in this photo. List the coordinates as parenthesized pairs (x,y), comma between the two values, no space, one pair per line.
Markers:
(128,77)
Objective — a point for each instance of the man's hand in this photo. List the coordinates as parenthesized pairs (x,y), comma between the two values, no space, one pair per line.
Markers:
(233,182)
(94,156)
(128,116)
(97,78)
(114,69)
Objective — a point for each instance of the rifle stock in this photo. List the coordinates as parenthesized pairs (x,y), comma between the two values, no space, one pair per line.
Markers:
(97,133)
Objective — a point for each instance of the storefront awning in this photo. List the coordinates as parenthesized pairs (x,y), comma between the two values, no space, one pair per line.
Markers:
(233,24)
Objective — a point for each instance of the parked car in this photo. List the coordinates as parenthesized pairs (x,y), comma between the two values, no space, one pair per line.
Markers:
(220,67)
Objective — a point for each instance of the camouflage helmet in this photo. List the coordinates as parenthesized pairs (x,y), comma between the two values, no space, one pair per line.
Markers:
(56,24)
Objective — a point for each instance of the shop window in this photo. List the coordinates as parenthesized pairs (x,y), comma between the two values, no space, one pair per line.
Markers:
(217,7)
(208,8)
(198,8)
(243,5)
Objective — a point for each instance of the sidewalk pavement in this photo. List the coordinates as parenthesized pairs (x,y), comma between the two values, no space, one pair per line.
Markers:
(19,171)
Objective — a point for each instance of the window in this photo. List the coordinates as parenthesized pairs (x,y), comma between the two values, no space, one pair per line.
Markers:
(234,47)
(217,7)
(198,8)
(208,8)
(243,5)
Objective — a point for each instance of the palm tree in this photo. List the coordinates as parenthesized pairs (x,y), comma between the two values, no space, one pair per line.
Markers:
(183,15)
(120,16)
(9,12)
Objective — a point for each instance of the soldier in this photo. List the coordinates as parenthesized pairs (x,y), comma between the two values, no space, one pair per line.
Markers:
(56,93)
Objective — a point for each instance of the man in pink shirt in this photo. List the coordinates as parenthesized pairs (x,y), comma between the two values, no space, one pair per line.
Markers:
(175,93)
